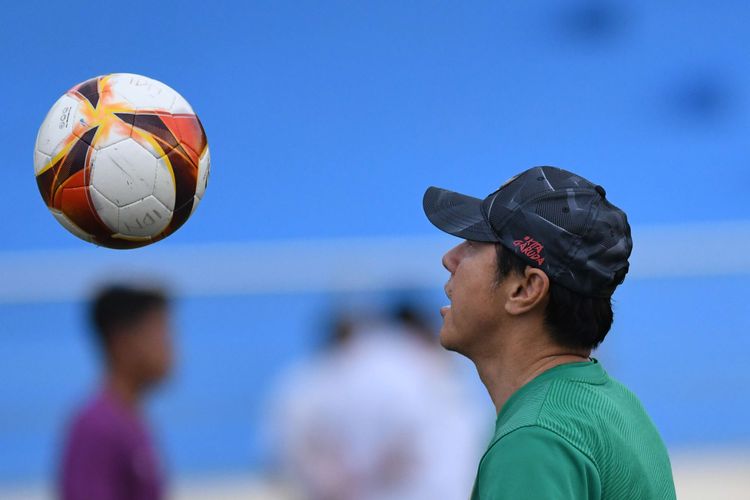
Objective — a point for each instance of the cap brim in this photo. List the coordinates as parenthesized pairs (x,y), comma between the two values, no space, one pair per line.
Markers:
(457,214)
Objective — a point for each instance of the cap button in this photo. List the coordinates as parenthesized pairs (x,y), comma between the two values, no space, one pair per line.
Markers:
(601,191)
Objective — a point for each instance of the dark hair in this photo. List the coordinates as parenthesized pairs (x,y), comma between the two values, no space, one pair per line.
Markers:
(417,322)
(339,329)
(117,307)
(573,320)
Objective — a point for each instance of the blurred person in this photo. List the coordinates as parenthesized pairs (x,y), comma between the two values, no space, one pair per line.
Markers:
(530,298)
(379,415)
(109,452)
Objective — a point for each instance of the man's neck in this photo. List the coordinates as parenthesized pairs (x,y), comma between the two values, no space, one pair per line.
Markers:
(123,389)
(504,374)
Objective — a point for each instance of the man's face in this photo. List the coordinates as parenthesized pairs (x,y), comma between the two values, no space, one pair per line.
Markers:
(148,347)
(475,309)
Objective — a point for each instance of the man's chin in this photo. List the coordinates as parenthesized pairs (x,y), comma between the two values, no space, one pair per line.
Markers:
(447,339)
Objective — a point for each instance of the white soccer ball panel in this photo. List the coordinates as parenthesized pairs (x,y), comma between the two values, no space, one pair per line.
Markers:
(181,106)
(142,92)
(41,160)
(204,168)
(112,135)
(146,217)
(107,211)
(124,172)
(58,125)
(70,226)
(148,145)
(164,187)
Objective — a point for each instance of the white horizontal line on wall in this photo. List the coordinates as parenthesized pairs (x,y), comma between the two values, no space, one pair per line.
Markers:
(294,266)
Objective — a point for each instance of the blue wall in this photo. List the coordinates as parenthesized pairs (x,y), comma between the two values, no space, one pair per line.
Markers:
(330,119)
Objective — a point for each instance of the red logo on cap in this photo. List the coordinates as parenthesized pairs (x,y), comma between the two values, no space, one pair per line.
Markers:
(531,249)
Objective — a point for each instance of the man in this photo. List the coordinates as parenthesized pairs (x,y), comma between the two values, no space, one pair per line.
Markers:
(530,292)
(109,454)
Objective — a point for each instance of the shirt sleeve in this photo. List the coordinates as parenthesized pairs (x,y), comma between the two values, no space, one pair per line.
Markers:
(90,466)
(534,463)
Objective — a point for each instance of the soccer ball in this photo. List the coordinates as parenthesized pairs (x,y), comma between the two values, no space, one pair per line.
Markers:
(121,160)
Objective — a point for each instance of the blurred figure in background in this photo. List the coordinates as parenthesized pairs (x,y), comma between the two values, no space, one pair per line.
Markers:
(380,414)
(109,453)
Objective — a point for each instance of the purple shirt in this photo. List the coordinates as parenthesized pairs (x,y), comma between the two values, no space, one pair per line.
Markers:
(109,455)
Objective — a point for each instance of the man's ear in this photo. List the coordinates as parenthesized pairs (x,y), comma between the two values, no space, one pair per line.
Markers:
(527,291)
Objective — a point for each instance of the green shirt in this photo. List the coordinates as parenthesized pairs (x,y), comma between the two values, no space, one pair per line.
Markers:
(574,433)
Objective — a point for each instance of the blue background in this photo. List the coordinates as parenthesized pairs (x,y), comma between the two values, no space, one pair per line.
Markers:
(329,119)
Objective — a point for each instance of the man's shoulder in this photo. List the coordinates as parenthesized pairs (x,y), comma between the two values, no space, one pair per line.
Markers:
(554,414)
(587,413)
(571,401)
(589,424)
(98,420)
(584,413)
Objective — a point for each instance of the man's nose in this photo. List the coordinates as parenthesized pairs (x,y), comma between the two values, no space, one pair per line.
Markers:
(450,259)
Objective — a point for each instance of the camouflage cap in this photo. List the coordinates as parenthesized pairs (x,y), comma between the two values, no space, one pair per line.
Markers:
(551,218)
